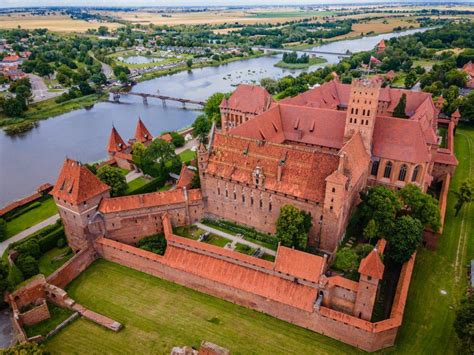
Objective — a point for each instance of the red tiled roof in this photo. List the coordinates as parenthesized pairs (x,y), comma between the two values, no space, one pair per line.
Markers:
(166,137)
(44,187)
(330,95)
(116,143)
(381,44)
(300,264)
(76,183)
(125,203)
(399,139)
(185,177)
(469,68)
(372,265)
(356,158)
(141,132)
(456,114)
(124,156)
(343,282)
(302,124)
(303,174)
(248,98)
(444,156)
(11,58)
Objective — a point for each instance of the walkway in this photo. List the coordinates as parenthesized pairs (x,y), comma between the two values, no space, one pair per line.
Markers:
(132,175)
(188,145)
(234,238)
(7,335)
(47,222)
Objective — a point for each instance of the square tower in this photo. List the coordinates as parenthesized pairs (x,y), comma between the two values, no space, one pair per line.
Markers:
(362,110)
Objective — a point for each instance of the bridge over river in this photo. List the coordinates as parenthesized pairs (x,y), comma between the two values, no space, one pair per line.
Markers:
(163,98)
(307,51)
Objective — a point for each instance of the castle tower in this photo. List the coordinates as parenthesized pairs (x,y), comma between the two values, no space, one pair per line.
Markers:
(203,157)
(371,271)
(142,134)
(77,194)
(116,143)
(362,110)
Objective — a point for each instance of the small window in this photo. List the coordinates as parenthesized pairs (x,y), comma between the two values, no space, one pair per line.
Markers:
(388,170)
(333,189)
(416,172)
(375,168)
(403,173)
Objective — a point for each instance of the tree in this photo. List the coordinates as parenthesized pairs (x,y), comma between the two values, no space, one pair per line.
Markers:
(292,227)
(465,194)
(12,107)
(160,158)
(3,280)
(467,107)
(405,238)
(155,244)
(410,79)
(28,348)
(3,229)
(138,149)
(177,139)
(27,264)
(189,63)
(123,78)
(421,206)
(371,230)
(271,85)
(399,110)
(211,108)
(464,324)
(114,178)
(102,30)
(346,260)
(381,205)
(201,127)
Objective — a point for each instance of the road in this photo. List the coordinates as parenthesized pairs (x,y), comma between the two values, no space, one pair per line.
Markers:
(234,238)
(40,90)
(47,222)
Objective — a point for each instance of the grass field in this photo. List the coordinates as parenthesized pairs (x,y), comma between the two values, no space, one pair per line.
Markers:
(136,184)
(158,315)
(54,259)
(58,315)
(187,155)
(312,61)
(30,218)
(54,23)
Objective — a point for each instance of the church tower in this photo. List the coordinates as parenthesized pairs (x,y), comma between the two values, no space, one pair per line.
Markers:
(362,110)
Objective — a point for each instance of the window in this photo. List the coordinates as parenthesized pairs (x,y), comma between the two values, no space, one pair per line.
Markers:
(218,191)
(368,112)
(333,189)
(243,198)
(251,201)
(388,170)
(261,203)
(375,168)
(403,173)
(269,206)
(414,177)
(235,196)
(226,193)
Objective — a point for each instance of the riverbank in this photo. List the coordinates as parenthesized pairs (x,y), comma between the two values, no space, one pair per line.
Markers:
(312,61)
(47,109)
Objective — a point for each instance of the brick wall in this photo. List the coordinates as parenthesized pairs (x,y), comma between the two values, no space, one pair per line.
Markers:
(72,268)
(357,332)
(35,315)
(29,293)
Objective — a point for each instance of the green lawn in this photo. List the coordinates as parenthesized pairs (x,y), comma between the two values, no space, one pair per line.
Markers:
(429,315)
(53,259)
(191,232)
(312,61)
(217,240)
(136,184)
(158,315)
(187,155)
(58,315)
(31,217)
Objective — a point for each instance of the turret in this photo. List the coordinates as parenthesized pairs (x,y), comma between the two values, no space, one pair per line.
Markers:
(142,134)
(116,143)
(77,194)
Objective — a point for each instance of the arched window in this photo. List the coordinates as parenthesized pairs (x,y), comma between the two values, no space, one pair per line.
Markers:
(375,168)
(416,172)
(388,170)
(403,173)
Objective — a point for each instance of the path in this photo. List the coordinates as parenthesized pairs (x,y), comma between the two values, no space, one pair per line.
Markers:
(47,222)
(234,238)
(132,175)
(7,335)
(188,145)
(40,90)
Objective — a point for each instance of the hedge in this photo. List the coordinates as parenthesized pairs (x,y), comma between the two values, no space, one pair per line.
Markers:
(152,186)
(21,210)
(50,240)
(40,234)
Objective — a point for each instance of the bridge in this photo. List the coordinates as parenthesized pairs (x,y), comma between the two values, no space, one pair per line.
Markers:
(307,51)
(163,98)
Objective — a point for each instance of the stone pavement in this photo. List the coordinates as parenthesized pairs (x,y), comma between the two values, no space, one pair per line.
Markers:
(47,222)
(234,238)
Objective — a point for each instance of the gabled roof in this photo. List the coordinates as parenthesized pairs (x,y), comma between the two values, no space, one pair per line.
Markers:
(303,170)
(248,98)
(141,132)
(185,177)
(372,265)
(116,143)
(300,264)
(76,183)
(329,95)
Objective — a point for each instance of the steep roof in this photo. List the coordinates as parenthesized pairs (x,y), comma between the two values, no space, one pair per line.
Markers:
(302,124)
(303,170)
(300,264)
(329,95)
(399,139)
(154,199)
(248,98)
(116,143)
(372,265)
(185,177)
(141,132)
(381,44)
(77,184)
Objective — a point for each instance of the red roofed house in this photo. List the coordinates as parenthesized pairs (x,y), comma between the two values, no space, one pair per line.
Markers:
(246,102)
(166,137)
(469,69)
(380,47)
(11,60)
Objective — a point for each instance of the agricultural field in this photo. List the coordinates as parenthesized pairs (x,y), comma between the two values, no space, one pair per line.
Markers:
(54,23)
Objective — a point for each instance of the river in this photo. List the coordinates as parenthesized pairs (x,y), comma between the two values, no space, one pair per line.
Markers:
(34,158)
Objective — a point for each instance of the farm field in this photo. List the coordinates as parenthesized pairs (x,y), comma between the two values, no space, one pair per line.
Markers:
(54,23)
(159,315)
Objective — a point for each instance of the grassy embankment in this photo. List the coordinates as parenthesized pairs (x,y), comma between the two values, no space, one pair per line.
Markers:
(312,61)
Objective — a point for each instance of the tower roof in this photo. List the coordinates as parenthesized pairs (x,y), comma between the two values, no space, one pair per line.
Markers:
(116,143)
(372,265)
(381,44)
(456,114)
(142,134)
(76,183)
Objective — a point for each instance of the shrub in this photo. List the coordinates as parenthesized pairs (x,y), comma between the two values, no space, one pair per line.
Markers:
(346,260)
(28,265)
(50,240)
(15,276)
(155,243)
(21,210)
(30,247)
(61,243)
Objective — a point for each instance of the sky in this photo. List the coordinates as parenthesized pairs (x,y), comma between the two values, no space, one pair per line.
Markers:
(23,3)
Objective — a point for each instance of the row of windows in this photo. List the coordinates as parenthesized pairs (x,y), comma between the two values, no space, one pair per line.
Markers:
(402,173)
(364,112)
(243,199)
(366,122)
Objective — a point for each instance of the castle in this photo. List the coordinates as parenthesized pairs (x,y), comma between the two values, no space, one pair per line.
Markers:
(316,151)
